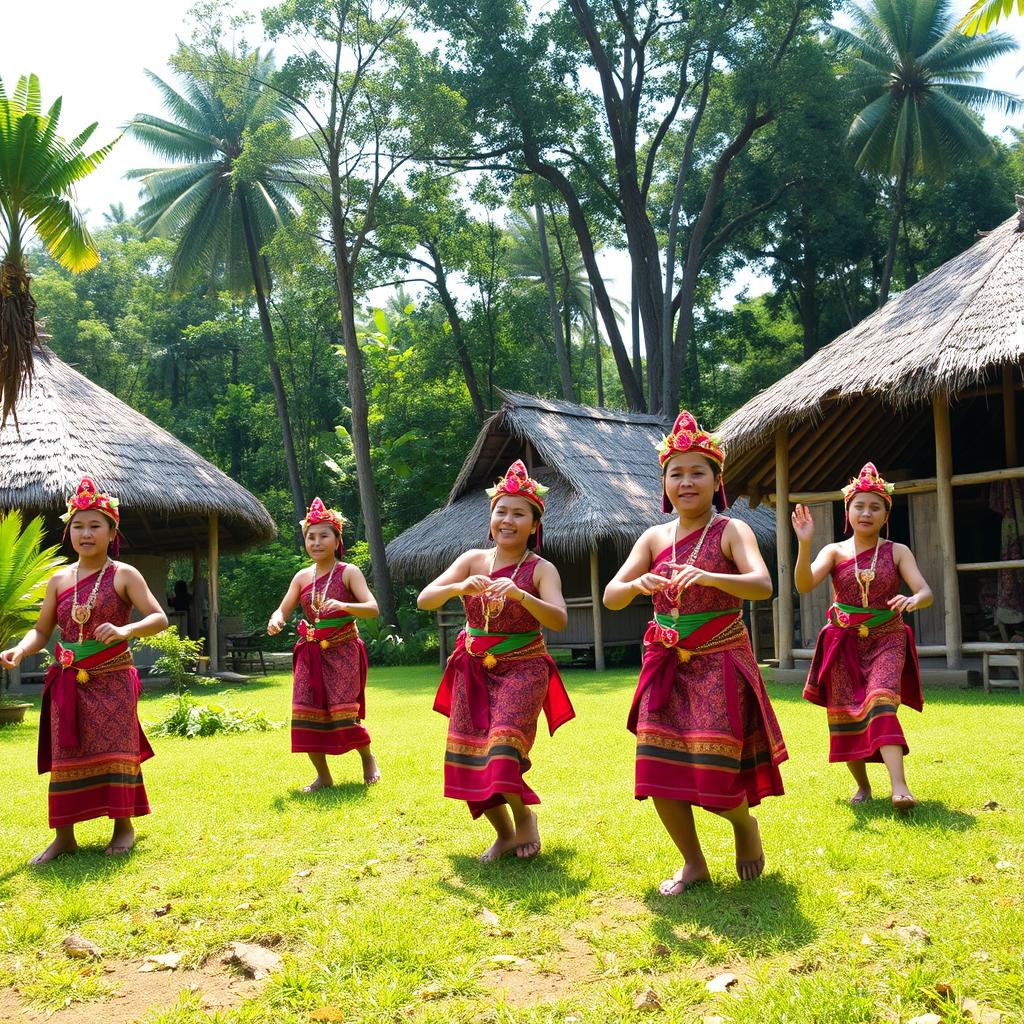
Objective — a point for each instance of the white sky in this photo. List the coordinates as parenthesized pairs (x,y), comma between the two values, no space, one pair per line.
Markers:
(94,55)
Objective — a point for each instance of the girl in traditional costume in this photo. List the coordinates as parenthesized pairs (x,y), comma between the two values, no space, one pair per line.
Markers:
(90,740)
(865,662)
(329,659)
(706,732)
(500,676)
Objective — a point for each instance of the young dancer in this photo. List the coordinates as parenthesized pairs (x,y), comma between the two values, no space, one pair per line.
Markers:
(706,733)
(90,740)
(500,675)
(865,662)
(329,659)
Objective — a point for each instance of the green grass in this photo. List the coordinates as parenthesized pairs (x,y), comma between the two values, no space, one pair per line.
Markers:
(386,925)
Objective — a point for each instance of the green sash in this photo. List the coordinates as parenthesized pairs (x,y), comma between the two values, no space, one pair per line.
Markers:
(687,624)
(511,641)
(337,622)
(87,648)
(877,616)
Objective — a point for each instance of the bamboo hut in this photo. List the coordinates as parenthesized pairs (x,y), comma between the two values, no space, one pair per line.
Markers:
(928,388)
(605,484)
(175,502)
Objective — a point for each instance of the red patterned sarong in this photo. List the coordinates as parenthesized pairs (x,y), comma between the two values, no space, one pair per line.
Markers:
(493,712)
(862,680)
(329,688)
(90,739)
(706,731)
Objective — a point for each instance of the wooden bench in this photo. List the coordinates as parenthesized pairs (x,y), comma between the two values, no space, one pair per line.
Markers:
(245,649)
(999,655)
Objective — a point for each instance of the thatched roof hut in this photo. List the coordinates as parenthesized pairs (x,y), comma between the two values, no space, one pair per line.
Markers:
(174,500)
(927,388)
(602,469)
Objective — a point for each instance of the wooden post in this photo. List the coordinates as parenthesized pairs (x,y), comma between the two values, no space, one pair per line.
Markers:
(596,608)
(214,568)
(1009,416)
(785,561)
(947,539)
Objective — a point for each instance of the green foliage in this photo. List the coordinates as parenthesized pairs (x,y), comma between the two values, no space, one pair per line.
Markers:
(983,14)
(413,643)
(189,718)
(38,171)
(25,569)
(179,656)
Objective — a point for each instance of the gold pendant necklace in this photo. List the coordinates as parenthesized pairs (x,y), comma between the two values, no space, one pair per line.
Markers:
(865,577)
(81,613)
(691,558)
(493,606)
(316,601)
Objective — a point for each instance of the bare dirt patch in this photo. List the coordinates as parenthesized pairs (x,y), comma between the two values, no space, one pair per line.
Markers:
(137,994)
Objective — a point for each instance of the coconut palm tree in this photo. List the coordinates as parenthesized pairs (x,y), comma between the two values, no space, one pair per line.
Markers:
(986,13)
(38,171)
(224,197)
(917,80)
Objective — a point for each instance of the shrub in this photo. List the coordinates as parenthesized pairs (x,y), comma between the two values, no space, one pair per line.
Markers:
(189,718)
(178,659)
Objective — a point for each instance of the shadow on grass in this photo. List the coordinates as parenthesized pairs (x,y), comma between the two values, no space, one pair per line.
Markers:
(931,815)
(85,867)
(533,885)
(757,916)
(337,795)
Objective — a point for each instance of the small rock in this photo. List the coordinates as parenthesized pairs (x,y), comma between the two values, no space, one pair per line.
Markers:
(647,1001)
(976,879)
(489,917)
(244,906)
(980,954)
(304,873)
(661,950)
(162,911)
(255,961)
(80,949)
(973,1010)
(722,983)
(713,1018)
(926,1018)
(889,922)
(866,940)
(506,958)
(913,933)
(992,805)
(160,962)
(1004,865)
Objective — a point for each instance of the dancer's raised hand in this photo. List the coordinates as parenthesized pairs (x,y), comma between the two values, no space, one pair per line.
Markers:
(803,524)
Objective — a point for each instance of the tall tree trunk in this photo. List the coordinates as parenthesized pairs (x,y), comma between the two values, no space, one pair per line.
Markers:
(894,231)
(634,323)
(270,347)
(235,431)
(597,351)
(360,432)
(455,322)
(564,371)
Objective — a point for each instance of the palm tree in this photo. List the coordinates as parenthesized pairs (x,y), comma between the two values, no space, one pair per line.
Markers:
(917,78)
(986,13)
(38,171)
(223,199)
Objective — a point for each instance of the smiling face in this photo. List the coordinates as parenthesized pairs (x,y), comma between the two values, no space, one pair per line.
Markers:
(867,514)
(322,540)
(690,483)
(91,532)
(513,521)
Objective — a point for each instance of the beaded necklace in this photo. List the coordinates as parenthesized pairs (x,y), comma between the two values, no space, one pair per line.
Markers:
(316,601)
(81,613)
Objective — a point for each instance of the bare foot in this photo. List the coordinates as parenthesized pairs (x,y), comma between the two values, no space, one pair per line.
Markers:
(862,796)
(317,784)
(903,800)
(498,849)
(58,848)
(528,839)
(371,771)
(121,842)
(687,875)
(749,851)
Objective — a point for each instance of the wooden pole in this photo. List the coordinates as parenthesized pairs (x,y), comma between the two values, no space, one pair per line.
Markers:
(947,539)
(596,608)
(785,562)
(212,640)
(1009,416)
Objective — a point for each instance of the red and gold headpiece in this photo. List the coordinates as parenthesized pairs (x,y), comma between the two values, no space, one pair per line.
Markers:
(686,436)
(868,482)
(88,496)
(320,513)
(517,483)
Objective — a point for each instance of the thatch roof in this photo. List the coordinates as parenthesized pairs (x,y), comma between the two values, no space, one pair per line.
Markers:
(601,467)
(70,426)
(945,334)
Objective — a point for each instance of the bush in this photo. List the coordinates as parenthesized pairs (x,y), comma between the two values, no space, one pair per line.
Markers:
(411,644)
(178,659)
(189,718)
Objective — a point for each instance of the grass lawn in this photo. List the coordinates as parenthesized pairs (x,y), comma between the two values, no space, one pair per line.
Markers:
(374,897)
